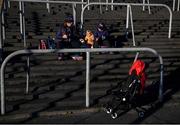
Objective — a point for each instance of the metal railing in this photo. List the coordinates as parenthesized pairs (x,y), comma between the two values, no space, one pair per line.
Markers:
(149,9)
(87,4)
(2,28)
(87,51)
(174,4)
(112,7)
(130,16)
(100,8)
(22,13)
(129,12)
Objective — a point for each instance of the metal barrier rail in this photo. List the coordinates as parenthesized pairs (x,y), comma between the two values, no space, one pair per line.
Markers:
(130,12)
(2,27)
(88,51)
(107,1)
(50,1)
(174,3)
(87,4)
(148,6)
(22,18)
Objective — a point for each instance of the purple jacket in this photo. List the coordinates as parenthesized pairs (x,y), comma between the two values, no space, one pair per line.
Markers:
(103,35)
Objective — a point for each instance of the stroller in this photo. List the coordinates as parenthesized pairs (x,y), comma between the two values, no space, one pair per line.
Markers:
(124,97)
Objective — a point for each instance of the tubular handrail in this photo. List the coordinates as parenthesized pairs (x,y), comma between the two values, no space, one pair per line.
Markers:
(174,3)
(21,9)
(88,51)
(87,4)
(2,27)
(1,10)
(131,4)
(148,6)
(51,1)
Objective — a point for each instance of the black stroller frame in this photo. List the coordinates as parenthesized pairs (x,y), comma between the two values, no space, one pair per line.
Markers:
(124,98)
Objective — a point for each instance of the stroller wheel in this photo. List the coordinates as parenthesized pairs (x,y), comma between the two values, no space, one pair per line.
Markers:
(114,115)
(141,114)
(108,110)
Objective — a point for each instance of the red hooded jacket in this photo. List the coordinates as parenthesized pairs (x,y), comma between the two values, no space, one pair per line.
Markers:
(139,66)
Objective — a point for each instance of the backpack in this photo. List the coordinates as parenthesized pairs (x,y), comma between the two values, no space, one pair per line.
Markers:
(51,43)
(139,67)
(42,44)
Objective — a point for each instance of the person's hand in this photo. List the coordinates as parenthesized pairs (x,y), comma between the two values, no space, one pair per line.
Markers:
(103,37)
(64,36)
(96,39)
(81,40)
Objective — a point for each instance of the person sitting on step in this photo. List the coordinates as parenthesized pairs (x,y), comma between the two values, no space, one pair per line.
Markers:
(101,36)
(67,37)
(88,41)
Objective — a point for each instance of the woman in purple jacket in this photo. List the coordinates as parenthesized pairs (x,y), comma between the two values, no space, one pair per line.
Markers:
(68,37)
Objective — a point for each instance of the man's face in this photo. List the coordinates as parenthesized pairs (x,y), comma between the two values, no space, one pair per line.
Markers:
(69,24)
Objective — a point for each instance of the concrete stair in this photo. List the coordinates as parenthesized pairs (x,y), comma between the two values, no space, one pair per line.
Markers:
(57,88)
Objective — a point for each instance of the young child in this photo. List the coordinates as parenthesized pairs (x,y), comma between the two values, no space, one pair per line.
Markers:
(88,41)
(89,38)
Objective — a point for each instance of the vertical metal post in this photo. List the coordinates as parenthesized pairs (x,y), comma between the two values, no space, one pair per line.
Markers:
(2,100)
(9,4)
(106,5)
(127,17)
(20,14)
(4,5)
(132,26)
(2,90)
(82,4)
(149,7)
(88,3)
(161,82)
(112,7)
(28,74)
(143,6)
(174,2)
(3,25)
(74,13)
(100,7)
(1,47)
(2,85)
(87,77)
(48,6)
(170,23)
(25,45)
(23,25)
(178,5)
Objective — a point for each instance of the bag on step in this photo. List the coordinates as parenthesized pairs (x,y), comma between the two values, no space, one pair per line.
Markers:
(51,43)
(42,44)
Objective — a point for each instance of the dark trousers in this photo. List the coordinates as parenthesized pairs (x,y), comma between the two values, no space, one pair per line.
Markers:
(100,43)
(68,44)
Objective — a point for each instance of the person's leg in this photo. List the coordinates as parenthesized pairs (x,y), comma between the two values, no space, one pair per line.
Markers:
(106,43)
(60,45)
(96,44)
(76,44)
